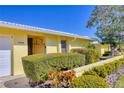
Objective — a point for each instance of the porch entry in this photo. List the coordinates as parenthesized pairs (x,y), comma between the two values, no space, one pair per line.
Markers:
(63,46)
(36,45)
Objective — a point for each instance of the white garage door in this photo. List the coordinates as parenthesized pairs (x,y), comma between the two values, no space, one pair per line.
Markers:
(5,56)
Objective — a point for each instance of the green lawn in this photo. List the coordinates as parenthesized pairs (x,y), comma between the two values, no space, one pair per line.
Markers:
(120,82)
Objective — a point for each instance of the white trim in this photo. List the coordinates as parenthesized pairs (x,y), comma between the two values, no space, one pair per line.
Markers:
(43,30)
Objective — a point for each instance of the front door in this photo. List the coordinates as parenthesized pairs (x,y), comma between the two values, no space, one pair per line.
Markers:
(5,56)
(30,46)
(38,46)
(35,46)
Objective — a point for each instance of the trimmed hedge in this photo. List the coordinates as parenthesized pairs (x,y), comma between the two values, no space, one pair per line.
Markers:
(37,67)
(78,50)
(105,69)
(89,81)
(91,55)
(90,72)
(101,71)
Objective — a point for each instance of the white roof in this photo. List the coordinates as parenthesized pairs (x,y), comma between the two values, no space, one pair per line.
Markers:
(42,30)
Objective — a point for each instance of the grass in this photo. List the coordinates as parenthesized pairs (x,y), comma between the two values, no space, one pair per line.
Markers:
(120,82)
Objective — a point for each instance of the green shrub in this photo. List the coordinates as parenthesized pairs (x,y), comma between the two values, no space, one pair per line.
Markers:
(90,72)
(105,69)
(91,55)
(37,67)
(78,50)
(110,68)
(101,71)
(121,61)
(89,81)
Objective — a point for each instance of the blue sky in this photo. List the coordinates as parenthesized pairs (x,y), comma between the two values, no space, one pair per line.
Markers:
(72,19)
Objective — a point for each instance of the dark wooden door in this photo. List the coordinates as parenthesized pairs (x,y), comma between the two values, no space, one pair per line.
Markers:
(29,46)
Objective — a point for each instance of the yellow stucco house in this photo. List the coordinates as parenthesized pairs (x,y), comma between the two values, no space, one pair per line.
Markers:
(18,40)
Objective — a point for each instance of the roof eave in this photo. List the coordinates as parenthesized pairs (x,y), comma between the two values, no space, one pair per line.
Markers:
(41,30)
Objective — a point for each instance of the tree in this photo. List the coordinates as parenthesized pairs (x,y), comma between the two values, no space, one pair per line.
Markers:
(109,21)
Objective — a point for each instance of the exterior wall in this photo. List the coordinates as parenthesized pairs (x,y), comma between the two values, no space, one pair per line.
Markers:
(51,45)
(76,44)
(59,45)
(103,48)
(20,45)
(71,43)
(19,50)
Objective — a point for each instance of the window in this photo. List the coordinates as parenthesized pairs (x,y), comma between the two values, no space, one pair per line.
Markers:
(63,46)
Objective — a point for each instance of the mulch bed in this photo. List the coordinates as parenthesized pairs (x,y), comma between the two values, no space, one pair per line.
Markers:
(111,79)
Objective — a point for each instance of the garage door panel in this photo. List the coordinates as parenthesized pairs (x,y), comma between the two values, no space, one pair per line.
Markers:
(5,56)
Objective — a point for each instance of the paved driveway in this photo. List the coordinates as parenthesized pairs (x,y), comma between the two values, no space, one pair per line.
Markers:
(19,81)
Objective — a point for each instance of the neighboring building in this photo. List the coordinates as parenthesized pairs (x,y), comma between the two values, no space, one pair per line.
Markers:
(103,48)
(18,40)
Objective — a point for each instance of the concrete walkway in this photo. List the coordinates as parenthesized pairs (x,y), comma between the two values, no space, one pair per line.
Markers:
(5,82)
